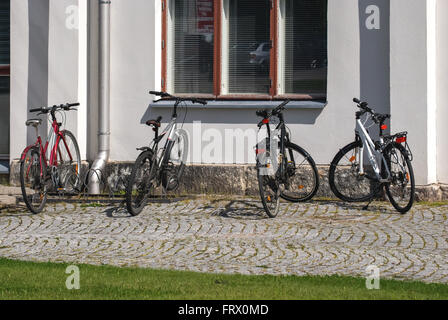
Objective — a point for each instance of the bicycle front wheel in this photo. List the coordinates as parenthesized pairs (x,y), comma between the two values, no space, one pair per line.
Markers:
(345,179)
(175,160)
(302,175)
(401,190)
(69,163)
(140,183)
(268,182)
(32,181)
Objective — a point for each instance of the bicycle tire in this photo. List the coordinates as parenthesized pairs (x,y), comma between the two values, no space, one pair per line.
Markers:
(409,176)
(268,186)
(305,193)
(72,178)
(359,183)
(39,185)
(133,208)
(174,166)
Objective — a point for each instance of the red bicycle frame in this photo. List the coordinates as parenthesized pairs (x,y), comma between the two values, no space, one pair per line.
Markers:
(43,150)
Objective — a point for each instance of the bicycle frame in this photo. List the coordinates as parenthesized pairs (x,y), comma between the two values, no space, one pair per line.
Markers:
(373,153)
(284,137)
(43,149)
(171,130)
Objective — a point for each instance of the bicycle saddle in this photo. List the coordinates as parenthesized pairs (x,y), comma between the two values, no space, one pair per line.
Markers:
(154,123)
(33,122)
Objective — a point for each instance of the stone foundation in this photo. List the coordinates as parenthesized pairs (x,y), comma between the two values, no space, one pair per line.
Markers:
(227,180)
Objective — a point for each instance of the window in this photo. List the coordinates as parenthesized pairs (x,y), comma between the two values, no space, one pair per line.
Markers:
(248,49)
(303,47)
(190,46)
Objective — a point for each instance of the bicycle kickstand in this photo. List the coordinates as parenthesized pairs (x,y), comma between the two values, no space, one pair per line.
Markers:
(366,207)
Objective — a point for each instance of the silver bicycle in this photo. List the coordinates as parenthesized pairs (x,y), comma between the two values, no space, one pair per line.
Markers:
(154,166)
(361,170)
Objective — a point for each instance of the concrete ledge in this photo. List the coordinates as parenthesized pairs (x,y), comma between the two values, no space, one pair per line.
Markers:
(227,180)
(232,104)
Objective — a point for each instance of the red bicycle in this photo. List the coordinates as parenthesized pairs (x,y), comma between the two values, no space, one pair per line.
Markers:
(61,173)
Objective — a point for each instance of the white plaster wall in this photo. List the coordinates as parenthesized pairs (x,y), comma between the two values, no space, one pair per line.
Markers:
(63,58)
(19,78)
(136,65)
(442,92)
(409,80)
(136,48)
(135,39)
(55,68)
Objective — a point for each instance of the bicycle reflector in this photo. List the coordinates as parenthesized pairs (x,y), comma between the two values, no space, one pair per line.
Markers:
(383,127)
(265,121)
(401,139)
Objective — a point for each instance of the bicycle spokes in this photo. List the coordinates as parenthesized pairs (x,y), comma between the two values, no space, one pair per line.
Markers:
(401,187)
(302,177)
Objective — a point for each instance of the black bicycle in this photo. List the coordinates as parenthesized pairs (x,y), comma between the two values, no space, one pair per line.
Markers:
(284,170)
(360,170)
(153,168)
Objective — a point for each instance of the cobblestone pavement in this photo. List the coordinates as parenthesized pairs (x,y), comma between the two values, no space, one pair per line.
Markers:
(218,235)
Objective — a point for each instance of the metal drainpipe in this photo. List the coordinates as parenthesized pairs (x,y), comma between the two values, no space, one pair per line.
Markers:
(104,99)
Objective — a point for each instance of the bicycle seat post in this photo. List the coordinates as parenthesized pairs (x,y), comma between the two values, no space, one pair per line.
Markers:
(34,123)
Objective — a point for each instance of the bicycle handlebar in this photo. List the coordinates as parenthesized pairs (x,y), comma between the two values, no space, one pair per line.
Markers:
(65,107)
(265,114)
(377,117)
(167,95)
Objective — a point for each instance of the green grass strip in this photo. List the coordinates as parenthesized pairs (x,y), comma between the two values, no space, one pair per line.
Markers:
(28,280)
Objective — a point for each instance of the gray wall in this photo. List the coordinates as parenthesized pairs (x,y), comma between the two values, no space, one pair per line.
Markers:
(442,92)
(409,82)
(359,62)
(44,62)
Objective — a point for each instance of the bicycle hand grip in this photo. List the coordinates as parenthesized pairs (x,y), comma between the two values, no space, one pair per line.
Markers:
(73,104)
(203,102)
(356,100)
(262,113)
(281,107)
(160,94)
(36,110)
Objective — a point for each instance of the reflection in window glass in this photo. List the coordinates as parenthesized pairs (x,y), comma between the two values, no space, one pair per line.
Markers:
(249,48)
(193,33)
(305,55)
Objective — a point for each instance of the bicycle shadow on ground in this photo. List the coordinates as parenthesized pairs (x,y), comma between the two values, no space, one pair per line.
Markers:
(19,210)
(240,210)
(382,207)
(117,212)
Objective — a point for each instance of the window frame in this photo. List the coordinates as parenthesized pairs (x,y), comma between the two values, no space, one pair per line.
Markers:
(217,63)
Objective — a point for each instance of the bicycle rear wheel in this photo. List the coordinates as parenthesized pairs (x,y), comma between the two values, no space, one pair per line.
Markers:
(344,178)
(302,173)
(32,182)
(140,183)
(69,163)
(401,191)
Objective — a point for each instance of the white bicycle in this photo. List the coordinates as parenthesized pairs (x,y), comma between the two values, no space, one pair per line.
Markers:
(388,165)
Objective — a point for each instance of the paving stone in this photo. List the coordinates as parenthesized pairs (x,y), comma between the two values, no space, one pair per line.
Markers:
(224,236)
(7,200)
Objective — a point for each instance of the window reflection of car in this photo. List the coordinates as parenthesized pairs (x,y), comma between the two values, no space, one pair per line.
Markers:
(238,53)
(261,55)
